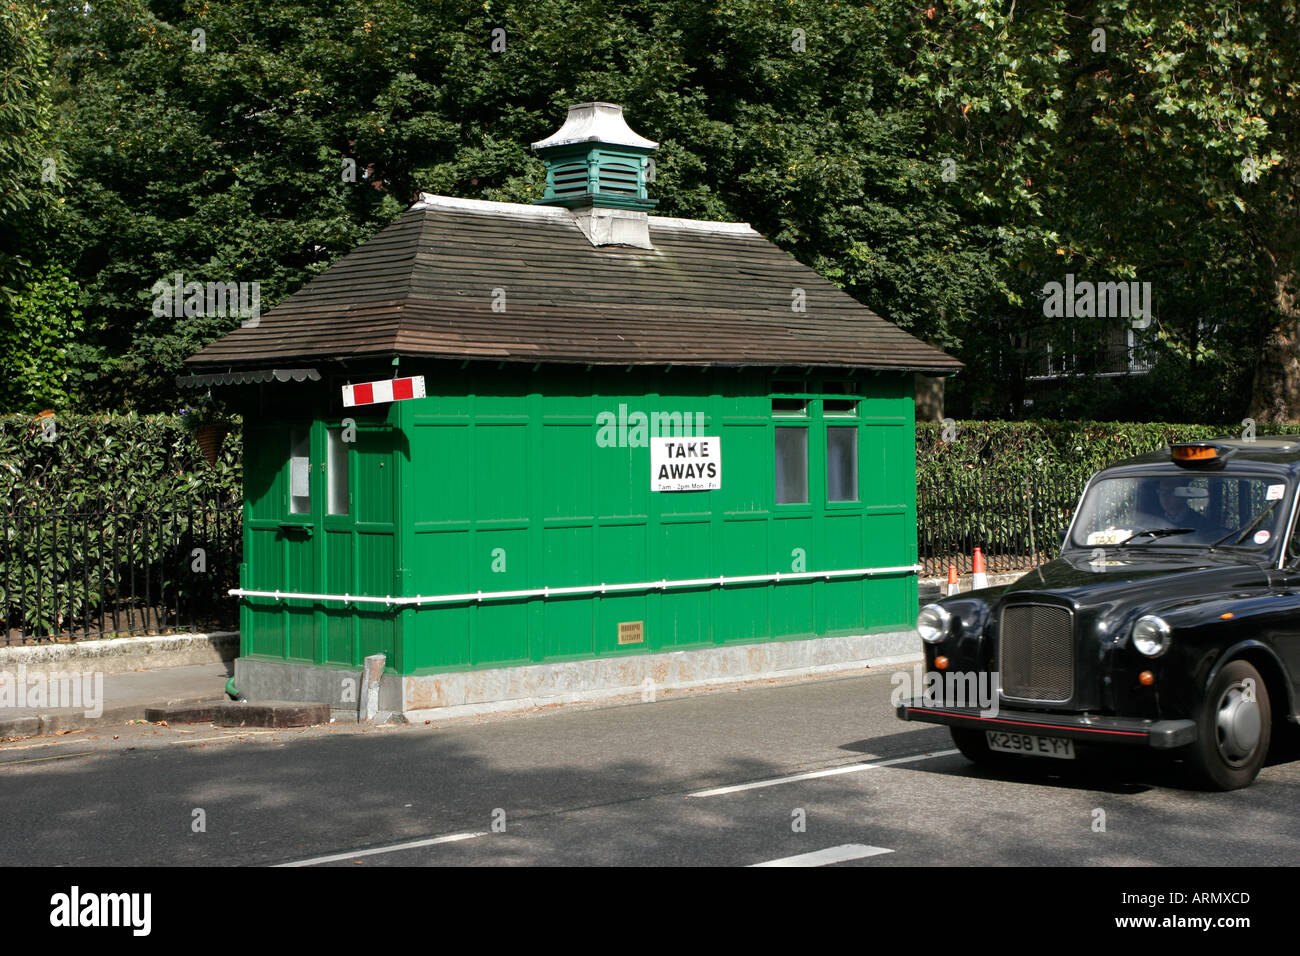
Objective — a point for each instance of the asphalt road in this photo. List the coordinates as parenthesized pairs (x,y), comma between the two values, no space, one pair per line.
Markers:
(628,785)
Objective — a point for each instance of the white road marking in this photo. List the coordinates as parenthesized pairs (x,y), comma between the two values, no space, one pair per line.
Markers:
(835,854)
(813,774)
(850,851)
(333,858)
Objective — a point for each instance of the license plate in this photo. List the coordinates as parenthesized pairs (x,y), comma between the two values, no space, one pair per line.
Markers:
(1060,747)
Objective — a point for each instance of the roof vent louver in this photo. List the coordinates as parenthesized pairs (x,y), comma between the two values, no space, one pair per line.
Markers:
(596,162)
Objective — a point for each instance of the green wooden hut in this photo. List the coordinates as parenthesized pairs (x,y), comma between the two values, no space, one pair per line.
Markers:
(650,452)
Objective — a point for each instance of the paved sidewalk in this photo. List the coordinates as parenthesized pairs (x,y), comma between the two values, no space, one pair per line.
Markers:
(125,697)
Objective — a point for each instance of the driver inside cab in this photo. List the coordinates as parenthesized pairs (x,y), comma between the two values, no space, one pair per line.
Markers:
(1174,497)
(1174,506)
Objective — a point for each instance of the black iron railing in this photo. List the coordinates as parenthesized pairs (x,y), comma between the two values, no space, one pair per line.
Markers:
(102,570)
(1016,522)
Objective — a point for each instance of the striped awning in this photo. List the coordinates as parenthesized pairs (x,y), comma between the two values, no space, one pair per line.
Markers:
(248,377)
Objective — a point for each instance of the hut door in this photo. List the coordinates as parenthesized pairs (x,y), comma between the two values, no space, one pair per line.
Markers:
(298,533)
(326,526)
(358,535)
(317,535)
(319,501)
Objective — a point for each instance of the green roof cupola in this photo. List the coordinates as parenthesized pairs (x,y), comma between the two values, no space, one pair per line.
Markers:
(596,160)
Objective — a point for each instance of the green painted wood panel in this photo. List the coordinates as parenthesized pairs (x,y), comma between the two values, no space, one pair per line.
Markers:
(315,552)
(527,476)
(513,478)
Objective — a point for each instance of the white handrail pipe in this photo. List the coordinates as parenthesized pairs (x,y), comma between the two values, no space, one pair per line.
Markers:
(546,592)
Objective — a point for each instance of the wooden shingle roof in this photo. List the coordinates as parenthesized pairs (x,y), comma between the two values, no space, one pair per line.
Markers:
(706,294)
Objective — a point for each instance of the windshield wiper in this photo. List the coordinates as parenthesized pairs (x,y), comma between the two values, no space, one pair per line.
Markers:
(1241,536)
(1156,533)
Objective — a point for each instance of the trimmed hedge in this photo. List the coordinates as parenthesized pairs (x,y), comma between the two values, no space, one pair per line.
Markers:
(1010,488)
(1063,450)
(148,461)
(131,462)
(98,518)
(1006,487)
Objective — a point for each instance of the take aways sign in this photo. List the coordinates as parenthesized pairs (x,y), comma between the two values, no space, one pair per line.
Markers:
(685,464)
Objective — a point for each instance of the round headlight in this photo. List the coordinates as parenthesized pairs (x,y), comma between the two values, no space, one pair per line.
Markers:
(932,623)
(1151,635)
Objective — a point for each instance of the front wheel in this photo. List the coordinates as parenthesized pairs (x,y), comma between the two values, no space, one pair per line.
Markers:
(1233,729)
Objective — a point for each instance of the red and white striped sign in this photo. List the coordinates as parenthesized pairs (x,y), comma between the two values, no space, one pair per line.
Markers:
(385,390)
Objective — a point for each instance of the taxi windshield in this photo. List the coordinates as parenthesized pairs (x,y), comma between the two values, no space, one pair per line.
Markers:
(1182,510)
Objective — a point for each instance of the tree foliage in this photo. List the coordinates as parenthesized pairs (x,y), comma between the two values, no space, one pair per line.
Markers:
(941,161)
(131,463)
(28,163)
(39,346)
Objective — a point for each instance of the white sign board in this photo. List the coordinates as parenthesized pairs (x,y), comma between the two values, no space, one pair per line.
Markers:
(299,470)
(686,464)
(384,390)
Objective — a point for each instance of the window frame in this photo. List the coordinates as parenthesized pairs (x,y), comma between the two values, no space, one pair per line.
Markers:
(295,432)
(817,421)
(328,477)
(805,428)
(318,432)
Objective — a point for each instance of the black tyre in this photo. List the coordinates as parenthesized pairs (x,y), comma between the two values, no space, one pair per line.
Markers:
(1234,729)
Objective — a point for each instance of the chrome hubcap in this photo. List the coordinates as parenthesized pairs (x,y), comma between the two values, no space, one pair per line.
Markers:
(1237,724)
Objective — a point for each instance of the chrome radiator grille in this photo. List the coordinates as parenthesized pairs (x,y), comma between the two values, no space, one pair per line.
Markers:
(1036,652)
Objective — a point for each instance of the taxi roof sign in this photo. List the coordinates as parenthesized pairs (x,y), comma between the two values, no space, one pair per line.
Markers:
(1199,453)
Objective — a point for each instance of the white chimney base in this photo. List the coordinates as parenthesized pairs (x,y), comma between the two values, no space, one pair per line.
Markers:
(614,227)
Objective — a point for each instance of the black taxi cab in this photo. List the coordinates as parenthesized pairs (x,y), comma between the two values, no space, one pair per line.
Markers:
(1171,620)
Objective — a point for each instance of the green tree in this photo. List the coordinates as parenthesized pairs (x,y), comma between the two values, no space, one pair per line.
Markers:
(39,346)
(28,165)
(222,155)
(1212,97)
(1112,140)
(941,161)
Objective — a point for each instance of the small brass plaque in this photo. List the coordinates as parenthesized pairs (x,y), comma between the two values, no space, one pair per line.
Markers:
(631,632)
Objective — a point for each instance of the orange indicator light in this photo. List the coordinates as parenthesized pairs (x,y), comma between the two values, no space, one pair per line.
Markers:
(1226,617)
(941,663)
(1195,452)
(1146,678)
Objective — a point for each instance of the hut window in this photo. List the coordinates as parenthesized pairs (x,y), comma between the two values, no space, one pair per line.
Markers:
(841,464)
(791,465)
(299,470)
(336,471)
(790,406)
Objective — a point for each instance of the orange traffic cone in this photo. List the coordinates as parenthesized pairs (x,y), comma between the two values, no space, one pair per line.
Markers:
(952,580)
(979,578)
